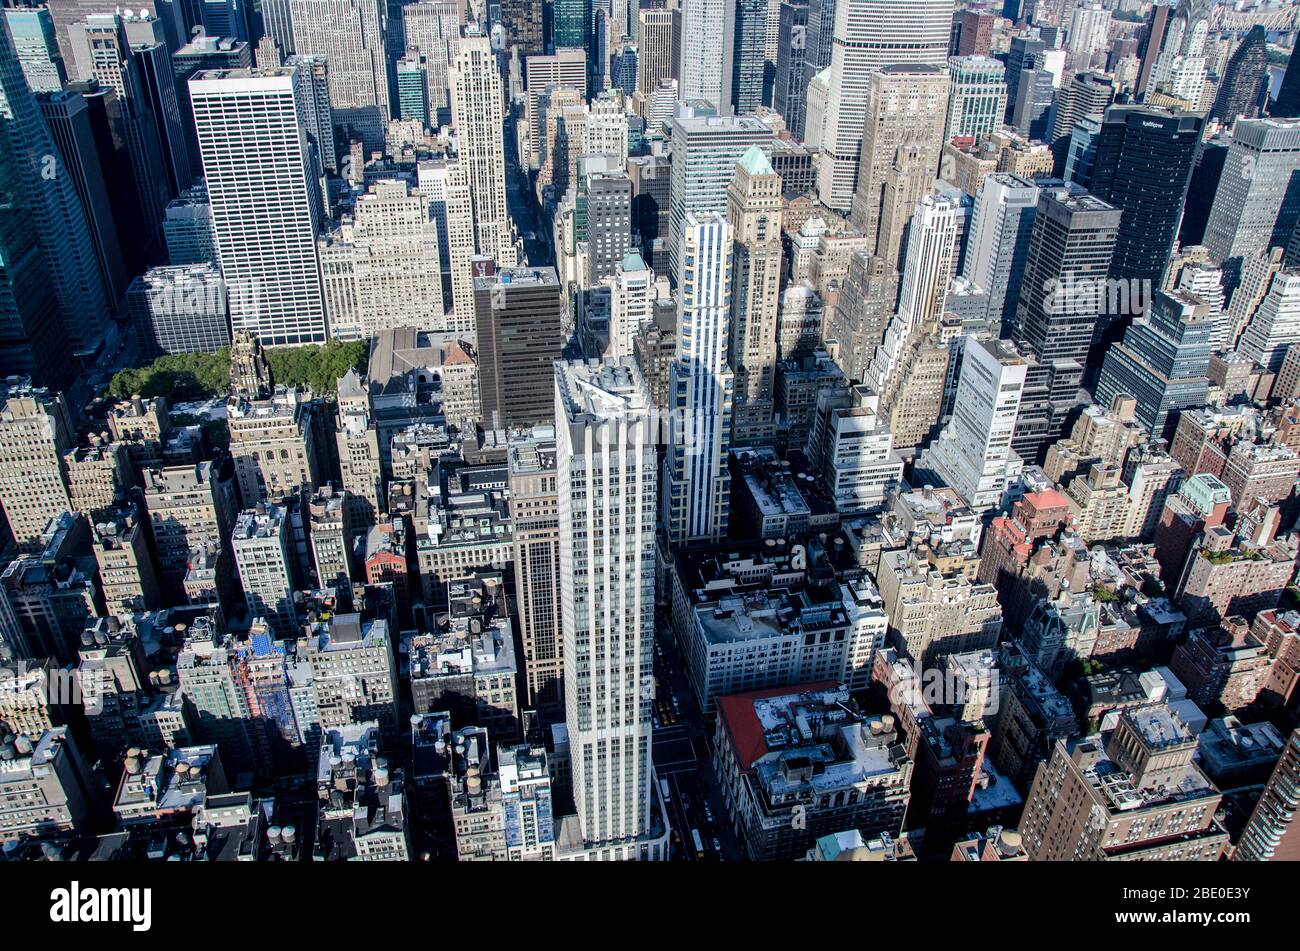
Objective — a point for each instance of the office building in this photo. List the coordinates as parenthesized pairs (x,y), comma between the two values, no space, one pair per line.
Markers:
(519,315)
(977,100)
(1162,361)
(906,106)
(350,35)
(35,433)
(1143,166)
(697,483)
(478,113)
(179,309)
(605,441)
(264,198)
(705,150)
(997,244)
(973,453)
(754,215)
(1255,207)
(868,36)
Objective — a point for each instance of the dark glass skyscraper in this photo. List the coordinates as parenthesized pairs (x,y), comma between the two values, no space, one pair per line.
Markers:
(743,53)
(790,94)
(571,24)
(1143,165)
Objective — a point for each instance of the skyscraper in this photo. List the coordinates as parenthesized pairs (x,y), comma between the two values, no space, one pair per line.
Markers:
(606,484)
(266,207)
(754,214)
(657,47)
(1143,166)
(54,301)
(35,432)
(868,36)
(816,55)
(350,35)
(392,270)
(1256,205)
(701,73)
(697,484)
(1086,95)
(1272,833)
(518,314)
(705,150)
(789,93)
(905,105)
(478,113)
(1065,296)
(978,97)
(1180,69)
(744,45)
(34,40)
(997,243)
(1242,89)
(1162,361)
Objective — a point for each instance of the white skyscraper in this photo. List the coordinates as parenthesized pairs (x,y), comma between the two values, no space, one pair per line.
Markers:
(973,454)
(478,113)
(705,151)
(252,133)
(868,35)
(700,72)
(1181,67)
(998,242)
(350,35)
(697,485)
(606,486)
(930,245)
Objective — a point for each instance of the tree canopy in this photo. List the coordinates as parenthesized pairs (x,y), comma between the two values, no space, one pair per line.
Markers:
(195,376)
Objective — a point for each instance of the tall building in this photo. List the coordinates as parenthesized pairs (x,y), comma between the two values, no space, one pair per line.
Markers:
(178,310)
(54,302)
(103,52)
(1143,166)
(1255,206)
(1242,90)
(978,98)
(1272,834)
(390,267)
(705,150)
(997,243)
(265,200)
(697,483)
(350,35)
(1085,96)
(973,453)
(478,113)
(754,215)
(1146,797)
(1181,67)
(519,314)
(571,22)
(701,71)
(606,483)
(818,34)
(608,196)
(868,36)
(35,432)
(1162,361)
(534,506)
(658,42)
(32,31)
(905,107)
(789,92)
(431,31)
(744,51)
(522,20)
(1275,326)
(1068,298)
(260,542)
